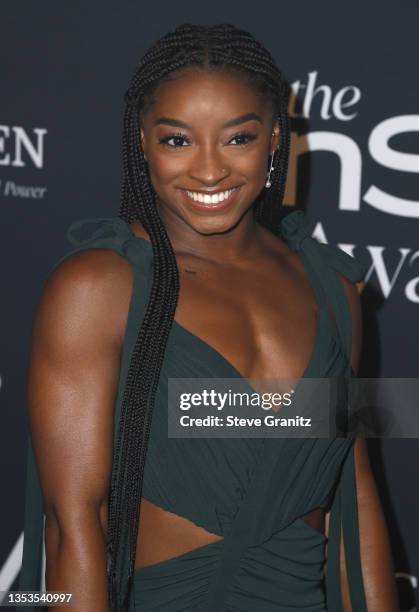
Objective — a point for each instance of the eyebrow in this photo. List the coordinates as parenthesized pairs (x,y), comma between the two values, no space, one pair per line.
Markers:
(230,123)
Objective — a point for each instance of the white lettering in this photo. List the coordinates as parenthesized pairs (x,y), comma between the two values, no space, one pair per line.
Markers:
(349,155)
(4,161)
(330,106)
(395,160)
(380,270)
(35,152)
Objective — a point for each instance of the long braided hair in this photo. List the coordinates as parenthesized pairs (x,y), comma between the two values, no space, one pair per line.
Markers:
(218,47)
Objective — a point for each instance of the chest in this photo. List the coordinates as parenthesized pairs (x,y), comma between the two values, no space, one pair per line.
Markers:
(262,319)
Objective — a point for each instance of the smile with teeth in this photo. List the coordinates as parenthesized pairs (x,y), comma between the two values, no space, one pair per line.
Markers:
(216,198)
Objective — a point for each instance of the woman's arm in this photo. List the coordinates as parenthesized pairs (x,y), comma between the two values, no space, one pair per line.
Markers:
(377,563)
(72,383)
(376,557)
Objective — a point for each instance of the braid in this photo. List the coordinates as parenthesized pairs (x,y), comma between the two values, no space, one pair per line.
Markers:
(220,47)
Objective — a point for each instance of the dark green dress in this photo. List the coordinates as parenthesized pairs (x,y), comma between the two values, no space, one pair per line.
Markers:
(253,492)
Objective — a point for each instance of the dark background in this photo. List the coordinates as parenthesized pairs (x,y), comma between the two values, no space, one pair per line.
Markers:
(65,67)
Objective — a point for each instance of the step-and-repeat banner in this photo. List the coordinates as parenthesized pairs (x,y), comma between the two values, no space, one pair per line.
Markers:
(354,168)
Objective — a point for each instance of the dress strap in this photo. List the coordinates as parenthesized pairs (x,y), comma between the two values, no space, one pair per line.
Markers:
(324,260)
(344,520)
(110,232)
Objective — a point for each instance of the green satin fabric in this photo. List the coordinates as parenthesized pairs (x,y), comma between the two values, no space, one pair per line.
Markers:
(255,492)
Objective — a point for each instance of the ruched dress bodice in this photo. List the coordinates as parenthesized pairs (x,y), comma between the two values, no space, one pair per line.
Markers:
(254,492)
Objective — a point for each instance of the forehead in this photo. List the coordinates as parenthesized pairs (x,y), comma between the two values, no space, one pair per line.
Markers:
(198,95)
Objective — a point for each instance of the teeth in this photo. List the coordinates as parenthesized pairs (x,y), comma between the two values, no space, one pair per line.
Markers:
(210,199)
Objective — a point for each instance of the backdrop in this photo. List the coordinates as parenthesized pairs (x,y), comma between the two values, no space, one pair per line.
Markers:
(354,169)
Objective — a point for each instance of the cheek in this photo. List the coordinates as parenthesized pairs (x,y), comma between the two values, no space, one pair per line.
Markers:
(250,164)
(165,168)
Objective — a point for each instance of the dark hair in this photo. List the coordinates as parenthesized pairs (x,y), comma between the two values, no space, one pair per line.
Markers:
(220,47)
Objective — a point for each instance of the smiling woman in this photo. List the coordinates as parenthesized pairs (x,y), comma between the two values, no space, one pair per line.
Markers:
(210,171)
(200,276)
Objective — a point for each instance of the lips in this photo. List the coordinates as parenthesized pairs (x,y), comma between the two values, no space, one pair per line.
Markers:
(210,201)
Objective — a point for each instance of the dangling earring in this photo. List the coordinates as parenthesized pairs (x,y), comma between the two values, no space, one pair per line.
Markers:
(272,167)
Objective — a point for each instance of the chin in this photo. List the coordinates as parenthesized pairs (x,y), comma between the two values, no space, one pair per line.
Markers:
(207,225)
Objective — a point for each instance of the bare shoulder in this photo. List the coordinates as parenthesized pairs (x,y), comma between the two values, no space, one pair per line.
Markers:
(87,293)
(353,295)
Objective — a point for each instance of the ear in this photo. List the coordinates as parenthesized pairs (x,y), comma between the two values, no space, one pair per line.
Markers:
(275,136)
(143,143)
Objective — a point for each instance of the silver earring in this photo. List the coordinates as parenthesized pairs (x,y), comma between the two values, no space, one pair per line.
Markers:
(272,167)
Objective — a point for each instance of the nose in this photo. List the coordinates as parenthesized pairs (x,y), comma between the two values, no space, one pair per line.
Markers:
(208,167)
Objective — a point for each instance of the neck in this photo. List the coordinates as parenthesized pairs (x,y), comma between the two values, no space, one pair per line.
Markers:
(242,240)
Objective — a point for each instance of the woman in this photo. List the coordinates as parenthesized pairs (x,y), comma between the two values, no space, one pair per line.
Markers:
(222,524)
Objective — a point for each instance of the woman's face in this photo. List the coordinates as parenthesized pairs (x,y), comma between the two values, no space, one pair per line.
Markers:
(207,140)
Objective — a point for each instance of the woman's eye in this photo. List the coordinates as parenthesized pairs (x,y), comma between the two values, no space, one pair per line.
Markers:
(177,141)
(176,138)
(244,138)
